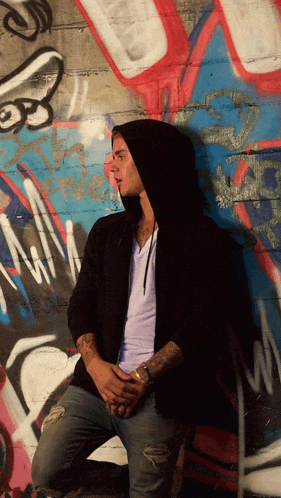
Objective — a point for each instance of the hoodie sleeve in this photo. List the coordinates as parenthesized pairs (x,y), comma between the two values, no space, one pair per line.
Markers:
(82,316)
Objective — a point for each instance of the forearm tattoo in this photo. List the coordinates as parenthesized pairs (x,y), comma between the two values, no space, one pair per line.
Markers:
(168,357)
(87,347)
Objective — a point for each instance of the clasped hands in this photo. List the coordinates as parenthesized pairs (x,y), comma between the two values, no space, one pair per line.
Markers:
(125,408)
(120,391)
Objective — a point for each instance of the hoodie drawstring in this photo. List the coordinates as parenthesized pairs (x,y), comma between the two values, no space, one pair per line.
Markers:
(148,258)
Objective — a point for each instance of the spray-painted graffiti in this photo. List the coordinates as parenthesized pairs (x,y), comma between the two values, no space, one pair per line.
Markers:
(39,264)
(38,251)
(221,82)
(225,111)
(7,452)
(32,15)
(235,124)
(149,64)
(17,107)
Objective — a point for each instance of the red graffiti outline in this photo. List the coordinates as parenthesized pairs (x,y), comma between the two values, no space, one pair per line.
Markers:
(2,377)
(165,74)
(65,124)
(265,82)
(11,270)
(260,251)
(196,58)
(48,203)
(25,203)
(17,191)
(10,451)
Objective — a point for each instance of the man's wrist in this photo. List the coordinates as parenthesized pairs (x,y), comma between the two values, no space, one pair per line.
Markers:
(87,347)
(145,367)
(143,374)
(168,357)
(140,376)
(93,363)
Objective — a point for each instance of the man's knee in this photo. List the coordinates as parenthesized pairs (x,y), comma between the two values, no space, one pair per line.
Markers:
(55,414)
(157,454)
(53,493)
(43,476)
(44,465)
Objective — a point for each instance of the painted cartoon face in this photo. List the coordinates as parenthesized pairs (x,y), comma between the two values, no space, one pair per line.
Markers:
(124,169)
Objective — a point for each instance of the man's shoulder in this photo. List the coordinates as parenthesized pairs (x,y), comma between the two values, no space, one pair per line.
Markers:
(112,219)
(109,223)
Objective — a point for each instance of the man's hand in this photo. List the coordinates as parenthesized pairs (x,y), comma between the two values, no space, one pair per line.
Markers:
(113,384)
(124,410)
(168,357)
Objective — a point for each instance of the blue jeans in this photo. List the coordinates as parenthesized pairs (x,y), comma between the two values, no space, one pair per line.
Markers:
(80,423)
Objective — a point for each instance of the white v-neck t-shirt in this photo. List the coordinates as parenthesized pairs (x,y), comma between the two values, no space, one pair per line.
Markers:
(139,333)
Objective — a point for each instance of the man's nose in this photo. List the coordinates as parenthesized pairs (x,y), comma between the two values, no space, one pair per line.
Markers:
(113,166)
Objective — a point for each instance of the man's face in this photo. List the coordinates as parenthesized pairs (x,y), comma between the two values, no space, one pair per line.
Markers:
(124,169)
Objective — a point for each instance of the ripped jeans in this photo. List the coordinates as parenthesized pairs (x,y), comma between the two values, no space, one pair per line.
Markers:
(80,423)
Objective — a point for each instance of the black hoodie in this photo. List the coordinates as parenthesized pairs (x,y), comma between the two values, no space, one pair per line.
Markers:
(165,161)
(195,295)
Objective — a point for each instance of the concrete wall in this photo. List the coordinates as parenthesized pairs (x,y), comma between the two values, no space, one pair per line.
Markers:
(70,70)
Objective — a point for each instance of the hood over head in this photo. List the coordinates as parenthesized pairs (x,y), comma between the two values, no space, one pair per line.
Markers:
(165,160)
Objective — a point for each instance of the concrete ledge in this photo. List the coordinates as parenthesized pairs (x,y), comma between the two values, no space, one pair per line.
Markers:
(112,451)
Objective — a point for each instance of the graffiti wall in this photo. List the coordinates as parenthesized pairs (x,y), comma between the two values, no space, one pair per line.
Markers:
(70,71)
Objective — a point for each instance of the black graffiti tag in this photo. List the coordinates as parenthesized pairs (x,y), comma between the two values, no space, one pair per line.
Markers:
(14,114)
(36,113)
(38,13)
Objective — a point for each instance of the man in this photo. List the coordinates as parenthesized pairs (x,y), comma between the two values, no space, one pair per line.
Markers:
(149,314)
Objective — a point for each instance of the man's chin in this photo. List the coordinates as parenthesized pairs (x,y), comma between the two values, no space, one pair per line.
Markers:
(126,193)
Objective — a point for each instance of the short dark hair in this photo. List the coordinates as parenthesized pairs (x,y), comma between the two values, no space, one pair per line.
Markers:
(115,134)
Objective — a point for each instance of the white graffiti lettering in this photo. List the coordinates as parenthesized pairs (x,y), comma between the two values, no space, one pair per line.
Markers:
(16,249)
(25,344)
(263,364)
(39,210)
(3,304)
(42,372)
(72,252)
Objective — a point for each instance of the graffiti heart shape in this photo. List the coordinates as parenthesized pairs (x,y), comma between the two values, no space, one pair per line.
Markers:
(43,370)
